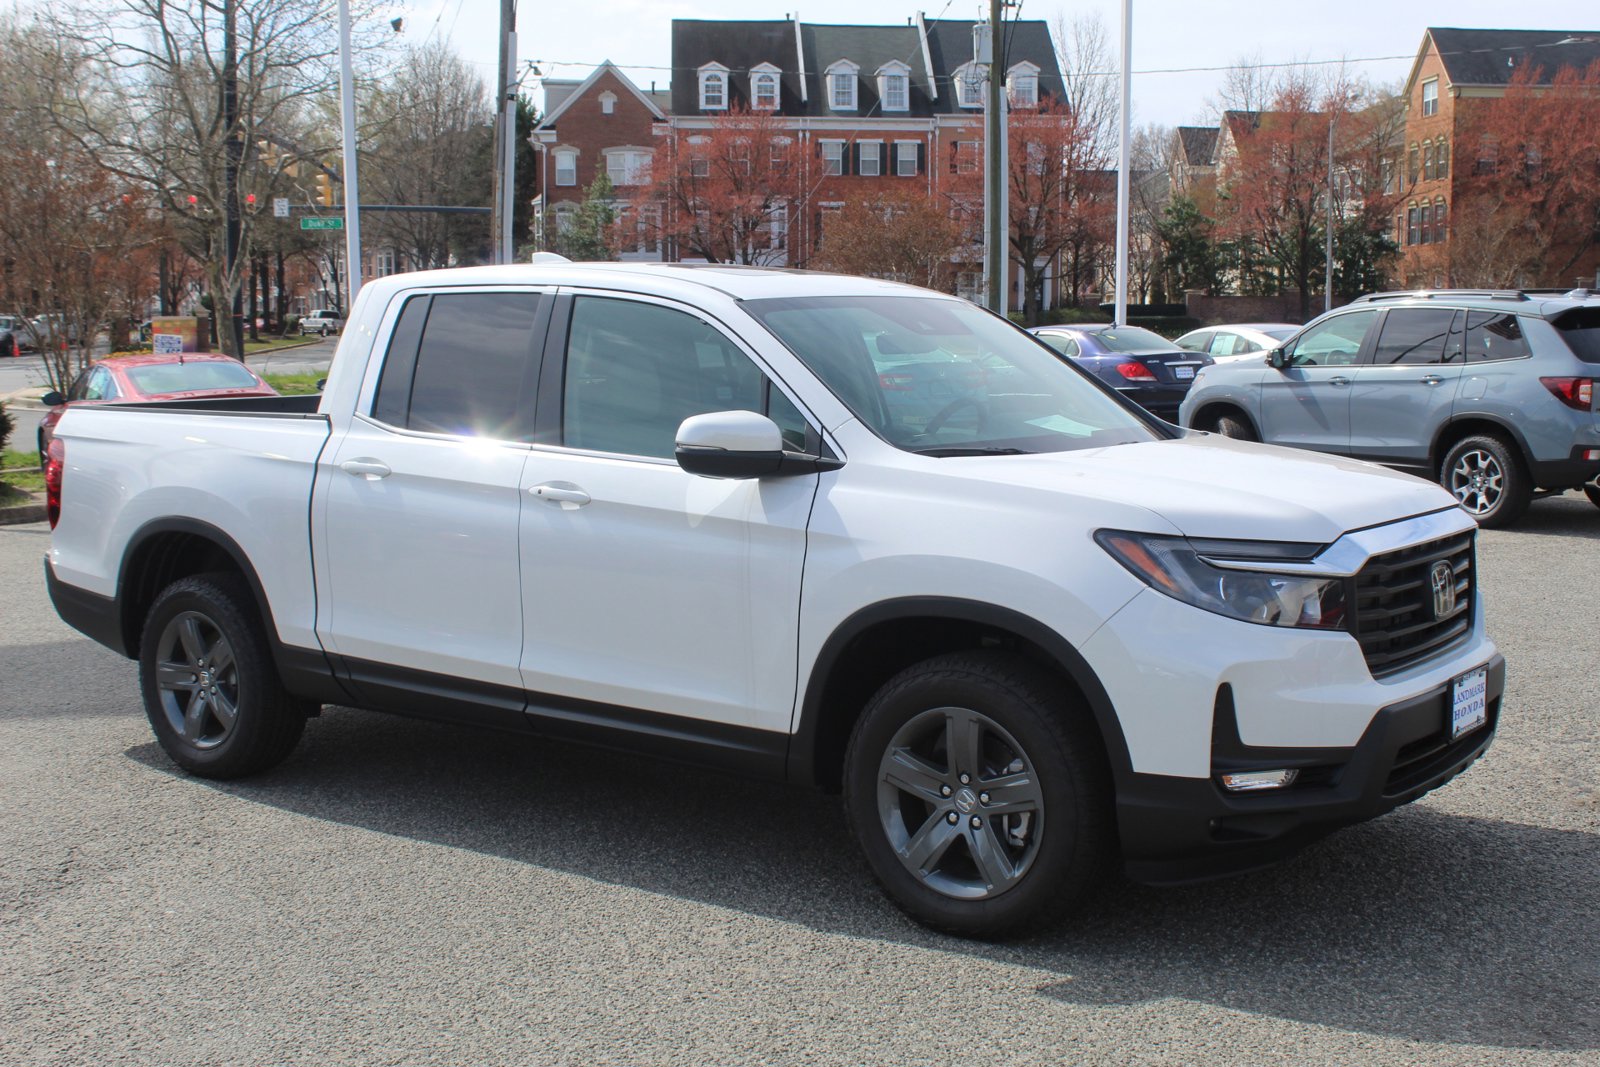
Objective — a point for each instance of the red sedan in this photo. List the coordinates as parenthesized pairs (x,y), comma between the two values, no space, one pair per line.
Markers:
(151,377)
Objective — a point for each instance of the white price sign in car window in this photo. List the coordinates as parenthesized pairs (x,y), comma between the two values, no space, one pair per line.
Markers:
(166,343)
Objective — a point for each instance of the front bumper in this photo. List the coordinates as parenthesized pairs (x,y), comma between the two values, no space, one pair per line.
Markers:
(1186,829)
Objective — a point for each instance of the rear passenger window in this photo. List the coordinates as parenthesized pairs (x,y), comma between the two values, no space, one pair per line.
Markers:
(462,363)
(635,371)
(1492,336)
(1414,335)
(1223,344)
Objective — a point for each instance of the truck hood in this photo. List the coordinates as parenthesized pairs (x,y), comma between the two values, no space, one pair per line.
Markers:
(1207,485)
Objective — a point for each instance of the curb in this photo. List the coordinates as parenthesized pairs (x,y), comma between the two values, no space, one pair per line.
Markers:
(21,513)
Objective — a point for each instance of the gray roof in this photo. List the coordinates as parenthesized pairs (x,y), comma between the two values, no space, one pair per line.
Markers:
(950,45)
(1490,57)
(1199,145)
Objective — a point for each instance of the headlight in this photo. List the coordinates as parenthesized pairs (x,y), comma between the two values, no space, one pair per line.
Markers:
(1174,566)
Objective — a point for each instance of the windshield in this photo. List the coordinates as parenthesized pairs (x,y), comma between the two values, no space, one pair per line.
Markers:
(1281,333)
(1133,339)
(942,377)
(153,379)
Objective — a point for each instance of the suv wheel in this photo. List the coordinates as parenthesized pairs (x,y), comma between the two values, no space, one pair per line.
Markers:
(211,690)
(1485,477)
(1234,426)
(1592,491)
(980,795)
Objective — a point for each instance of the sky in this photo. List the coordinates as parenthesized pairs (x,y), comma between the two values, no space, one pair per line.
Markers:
(568,38)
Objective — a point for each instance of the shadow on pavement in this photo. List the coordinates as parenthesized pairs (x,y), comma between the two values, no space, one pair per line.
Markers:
(1422,926)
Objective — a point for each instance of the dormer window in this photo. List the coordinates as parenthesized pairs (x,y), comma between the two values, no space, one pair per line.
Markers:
(970,79)
(608,103)
(713,87)
(1022,85)
(841,79)
(764,87)
(894,86)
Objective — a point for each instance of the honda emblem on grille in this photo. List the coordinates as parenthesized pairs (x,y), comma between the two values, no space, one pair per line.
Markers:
(1443,580)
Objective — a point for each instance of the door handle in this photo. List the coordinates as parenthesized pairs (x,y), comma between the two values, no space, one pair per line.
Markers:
(370,469)
(565,494)
(1433,379)
(1339,380)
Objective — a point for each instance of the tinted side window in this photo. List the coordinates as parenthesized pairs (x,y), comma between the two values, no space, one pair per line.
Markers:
(1197,342)
(1581,329)
(1414,335)
(475,367)
(393,402)
(1491,336)
(1225,344)
(1061,343)
(635,371)
(1333,343)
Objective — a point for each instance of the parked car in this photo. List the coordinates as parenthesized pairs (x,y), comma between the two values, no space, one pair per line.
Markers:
(321,322)
(150,377)
(1490,393)
(1224,343)
(1144,366)
(10,343)
(1032,633)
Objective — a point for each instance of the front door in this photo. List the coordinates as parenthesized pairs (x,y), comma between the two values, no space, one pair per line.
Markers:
(644,586)
(1307,403)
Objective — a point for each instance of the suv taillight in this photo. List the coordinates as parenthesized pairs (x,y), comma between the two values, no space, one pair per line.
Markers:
(1574,392)
(55,463)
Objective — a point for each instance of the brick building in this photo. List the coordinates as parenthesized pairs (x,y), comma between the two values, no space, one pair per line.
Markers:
(603,124)
(1457,71)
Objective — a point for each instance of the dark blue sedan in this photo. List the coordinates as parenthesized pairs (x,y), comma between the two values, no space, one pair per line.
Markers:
(1143,366)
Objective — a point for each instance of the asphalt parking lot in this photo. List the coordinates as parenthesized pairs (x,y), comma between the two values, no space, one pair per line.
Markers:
(404,893)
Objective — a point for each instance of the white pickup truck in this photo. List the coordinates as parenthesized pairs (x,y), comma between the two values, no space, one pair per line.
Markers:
(831,530)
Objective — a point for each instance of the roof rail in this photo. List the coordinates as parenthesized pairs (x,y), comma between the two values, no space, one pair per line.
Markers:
(1446,294)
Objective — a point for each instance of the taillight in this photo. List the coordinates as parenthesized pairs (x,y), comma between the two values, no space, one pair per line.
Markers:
(55,463)
(896,383)
(1135,372)
(1574,392)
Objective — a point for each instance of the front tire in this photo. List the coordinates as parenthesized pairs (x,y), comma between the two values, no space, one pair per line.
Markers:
(1234,426)
(1592,491)
(211,689)
(1485,476)
(980,795)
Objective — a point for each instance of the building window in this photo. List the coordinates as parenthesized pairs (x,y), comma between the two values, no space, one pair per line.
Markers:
(1022,85)
(1413,164)
(1430,97)
(1441,163)
(1488,155)
(1412,218)
(871,158)
(842,85)
(905,159)
(964,157)
(894,86)
(969,285)
(826,214)
(385,262)
(1399,229)
(608,103)
(764,87)
(832,157)
(566,166)
(565,213)
(1439,231)
(779,155)
(969,79)
(628,166)
(1533,161)
(778,226)
(713,87)
(1428,173)
(1425,227)
(1386,167)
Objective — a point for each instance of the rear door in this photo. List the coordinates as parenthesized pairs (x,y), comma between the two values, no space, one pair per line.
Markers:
(1404,393)
(1307,403)
(417,503)
(646,587)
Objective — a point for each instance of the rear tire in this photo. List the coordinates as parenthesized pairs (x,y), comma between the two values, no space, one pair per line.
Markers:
(211,690)
(990,741)
(1234,426)
(1592,491)
(1485,476)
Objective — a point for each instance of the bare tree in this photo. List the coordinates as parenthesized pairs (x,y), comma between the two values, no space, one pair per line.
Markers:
(1088,74)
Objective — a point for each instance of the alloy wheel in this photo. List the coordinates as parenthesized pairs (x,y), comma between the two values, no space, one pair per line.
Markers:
(960,803)
(1477,481)
(197,680)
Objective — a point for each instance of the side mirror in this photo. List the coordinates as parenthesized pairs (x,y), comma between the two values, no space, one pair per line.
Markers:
(322,383)
(52,399)
(1277,359)
(730,444)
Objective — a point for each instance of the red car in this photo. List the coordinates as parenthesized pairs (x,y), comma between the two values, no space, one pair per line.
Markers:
(151,377)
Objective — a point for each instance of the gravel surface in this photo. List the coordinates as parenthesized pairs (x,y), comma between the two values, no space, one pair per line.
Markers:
(404,893)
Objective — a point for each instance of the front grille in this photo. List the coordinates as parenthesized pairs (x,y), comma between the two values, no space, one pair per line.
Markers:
(1423,759)
(1394,612)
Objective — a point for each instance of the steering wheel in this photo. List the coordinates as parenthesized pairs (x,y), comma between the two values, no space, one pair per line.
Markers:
(942,416)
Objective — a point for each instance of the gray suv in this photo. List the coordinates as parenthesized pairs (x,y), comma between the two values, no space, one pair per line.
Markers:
(1491,393)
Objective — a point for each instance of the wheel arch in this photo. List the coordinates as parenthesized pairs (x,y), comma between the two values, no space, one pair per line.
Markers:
(880,640)
(1470,424)
(167,549)
(1209,411)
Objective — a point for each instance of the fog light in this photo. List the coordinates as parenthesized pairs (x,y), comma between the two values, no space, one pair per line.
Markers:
(1256,781)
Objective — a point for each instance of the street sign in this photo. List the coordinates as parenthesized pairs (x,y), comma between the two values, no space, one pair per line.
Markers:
(280,207)
(312,222)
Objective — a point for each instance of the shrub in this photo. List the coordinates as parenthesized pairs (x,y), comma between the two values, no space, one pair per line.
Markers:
(7,425)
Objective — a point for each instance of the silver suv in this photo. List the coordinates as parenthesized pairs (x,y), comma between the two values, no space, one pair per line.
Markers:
(1491,393)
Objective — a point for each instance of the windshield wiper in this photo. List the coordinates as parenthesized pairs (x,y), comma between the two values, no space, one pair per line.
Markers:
(956,450)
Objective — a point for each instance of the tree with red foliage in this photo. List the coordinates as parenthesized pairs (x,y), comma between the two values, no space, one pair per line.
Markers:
(1527,208)
(903,234)
(725,192)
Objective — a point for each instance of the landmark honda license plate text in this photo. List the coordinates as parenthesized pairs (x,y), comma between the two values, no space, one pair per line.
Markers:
(1469,702)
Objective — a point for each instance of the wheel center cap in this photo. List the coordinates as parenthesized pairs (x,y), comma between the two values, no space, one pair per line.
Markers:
(966,801)
(205,677)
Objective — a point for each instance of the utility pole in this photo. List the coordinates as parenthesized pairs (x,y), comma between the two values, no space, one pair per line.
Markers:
(995,208)
(233,156)
(1124,162)
(352,189)
(505,134)
(1327,280)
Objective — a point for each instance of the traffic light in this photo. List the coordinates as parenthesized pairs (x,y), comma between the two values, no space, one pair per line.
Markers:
(324,189)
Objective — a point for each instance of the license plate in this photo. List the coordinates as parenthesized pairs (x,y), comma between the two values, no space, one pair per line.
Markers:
(1184,372)
(1469,702)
